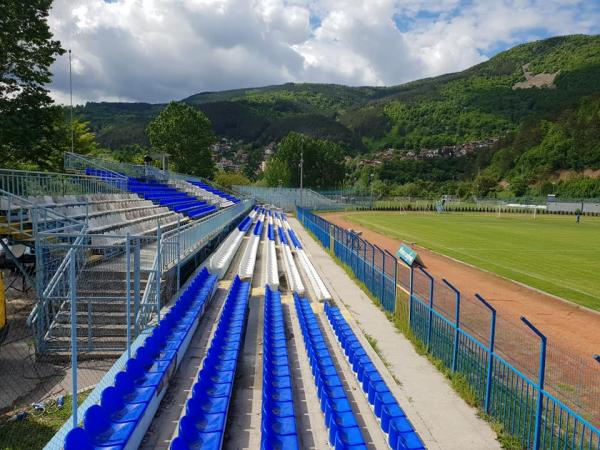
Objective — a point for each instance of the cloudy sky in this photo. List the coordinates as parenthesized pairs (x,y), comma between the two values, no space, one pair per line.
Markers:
(160,50)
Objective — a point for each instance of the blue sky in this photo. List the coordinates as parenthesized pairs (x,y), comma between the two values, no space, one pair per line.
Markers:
(159,50)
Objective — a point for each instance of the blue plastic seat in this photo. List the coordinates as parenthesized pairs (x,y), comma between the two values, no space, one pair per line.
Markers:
(196,439)
(130,392)
(78,439)
(104,432)
(119,411)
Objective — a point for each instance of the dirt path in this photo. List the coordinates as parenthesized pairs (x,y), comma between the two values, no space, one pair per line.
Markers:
(565,324)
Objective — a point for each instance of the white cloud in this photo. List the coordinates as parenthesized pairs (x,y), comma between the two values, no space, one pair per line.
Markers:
(158,50)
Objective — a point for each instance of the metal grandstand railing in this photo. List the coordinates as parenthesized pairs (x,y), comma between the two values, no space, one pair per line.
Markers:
(290,198)
(174,247)
(79,163)
(27,183)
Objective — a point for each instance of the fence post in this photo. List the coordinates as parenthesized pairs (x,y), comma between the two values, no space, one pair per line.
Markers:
(456,323)
(158,272)
(488,383)
(382,278)
(372,287)
(73,294)
(128,296)
(541,377)
(430,319)
(395,279)
(410,295)
(178,253)
(136,285)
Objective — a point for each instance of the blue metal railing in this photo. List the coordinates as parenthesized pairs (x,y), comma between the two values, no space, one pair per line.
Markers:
(523,405)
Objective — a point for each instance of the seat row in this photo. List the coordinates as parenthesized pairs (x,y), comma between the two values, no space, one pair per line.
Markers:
(98,209)
(168,196)
(319,288)
(393,421)
(221,259)
(127,408)
(215,191)
(140,226)
(197,191)
(246,268)
(278,421)
(203,425)
(344,431)
(271,260)
(291,270)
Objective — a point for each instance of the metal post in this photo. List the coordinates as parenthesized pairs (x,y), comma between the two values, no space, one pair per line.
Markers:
(158,272)
(73,295)
(395,278)
(410,295)
(136,284)
(382,278)
(541,375)
(456,323)
(128,290)
(430,320)
(301,178)
(178,253)
(488,383)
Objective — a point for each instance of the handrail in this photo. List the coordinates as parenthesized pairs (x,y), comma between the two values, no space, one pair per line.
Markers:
(92,160)
(22,182)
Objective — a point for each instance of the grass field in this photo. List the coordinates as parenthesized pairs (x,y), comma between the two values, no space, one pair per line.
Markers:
(551,253)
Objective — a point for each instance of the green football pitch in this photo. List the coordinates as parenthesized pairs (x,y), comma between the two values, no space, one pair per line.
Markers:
(551,253)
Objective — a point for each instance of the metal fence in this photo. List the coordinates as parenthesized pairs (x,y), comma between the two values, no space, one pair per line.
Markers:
(542,395)
(44,184)
(290,198)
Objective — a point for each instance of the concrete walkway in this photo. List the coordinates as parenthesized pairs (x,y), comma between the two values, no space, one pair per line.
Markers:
(440,416)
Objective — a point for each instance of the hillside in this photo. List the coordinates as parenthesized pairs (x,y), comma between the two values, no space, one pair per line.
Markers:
(481,102)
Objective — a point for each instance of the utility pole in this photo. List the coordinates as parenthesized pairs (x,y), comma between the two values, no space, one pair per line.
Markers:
(71,95)
(301,178)
(371,176)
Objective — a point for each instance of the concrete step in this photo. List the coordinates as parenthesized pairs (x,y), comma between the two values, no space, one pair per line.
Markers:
(103,318)
(117,331)
(101,284)
(107,345)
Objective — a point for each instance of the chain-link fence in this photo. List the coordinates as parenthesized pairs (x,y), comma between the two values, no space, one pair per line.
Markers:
(538,392)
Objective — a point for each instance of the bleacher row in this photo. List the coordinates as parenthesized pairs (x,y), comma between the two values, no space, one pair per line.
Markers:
(278,424)
(203,425)
(220,260)
(293,275)
(344,431)
(127,408)
(194,199)
(170,197)
(393,421)
(321,292)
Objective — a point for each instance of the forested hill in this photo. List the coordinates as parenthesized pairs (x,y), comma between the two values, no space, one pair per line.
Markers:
(519,87)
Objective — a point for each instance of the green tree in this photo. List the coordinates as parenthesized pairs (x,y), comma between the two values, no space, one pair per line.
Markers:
(185,134)
(323,163)
(483,185)
(229,179)
(28,121)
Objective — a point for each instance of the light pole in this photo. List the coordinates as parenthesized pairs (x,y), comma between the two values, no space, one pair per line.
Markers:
(71,95)
(301,177)
(371,177)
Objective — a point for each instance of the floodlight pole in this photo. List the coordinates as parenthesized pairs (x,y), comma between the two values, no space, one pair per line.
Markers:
(301,178)
(71,96)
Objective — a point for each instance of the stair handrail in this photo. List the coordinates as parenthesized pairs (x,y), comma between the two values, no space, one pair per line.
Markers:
(118,169)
